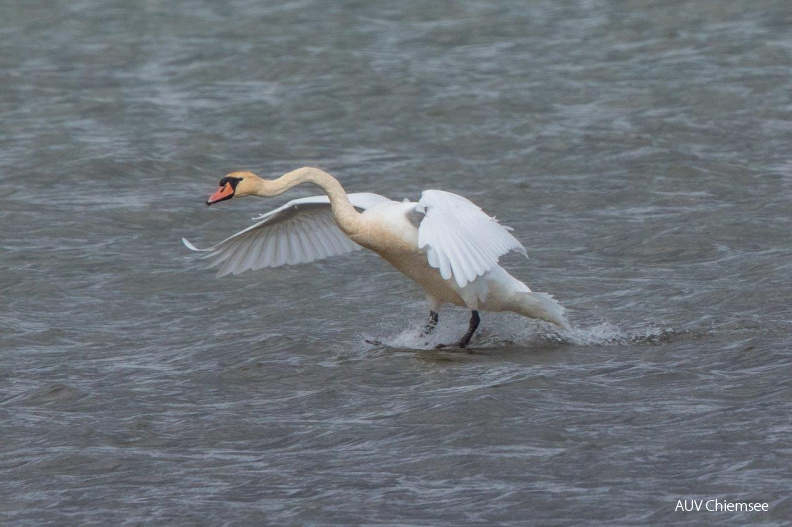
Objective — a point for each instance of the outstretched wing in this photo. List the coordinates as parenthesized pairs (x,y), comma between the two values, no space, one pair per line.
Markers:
(460,239)
(301,231)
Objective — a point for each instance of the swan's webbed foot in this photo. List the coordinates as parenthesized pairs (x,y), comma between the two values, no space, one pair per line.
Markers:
(474,324)
(431,323)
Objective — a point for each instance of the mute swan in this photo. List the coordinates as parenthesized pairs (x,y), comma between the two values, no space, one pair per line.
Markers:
(444,242)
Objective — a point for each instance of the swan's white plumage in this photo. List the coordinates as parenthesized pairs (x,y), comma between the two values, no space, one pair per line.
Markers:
(460,239)
(301,231)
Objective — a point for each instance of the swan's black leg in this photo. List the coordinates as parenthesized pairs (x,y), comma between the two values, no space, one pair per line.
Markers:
(474,323)
(431,323)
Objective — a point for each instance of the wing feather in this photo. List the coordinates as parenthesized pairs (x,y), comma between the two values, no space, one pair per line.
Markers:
(301,231)
(256,251)
(294,246)
(317,239)
(228,264)
(306,255)
(265,259)
(461,240)
(283,246)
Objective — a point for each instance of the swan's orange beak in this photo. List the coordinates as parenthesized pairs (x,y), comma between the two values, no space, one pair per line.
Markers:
(223,193)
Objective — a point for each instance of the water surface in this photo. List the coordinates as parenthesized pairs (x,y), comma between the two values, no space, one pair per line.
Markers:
(639,149)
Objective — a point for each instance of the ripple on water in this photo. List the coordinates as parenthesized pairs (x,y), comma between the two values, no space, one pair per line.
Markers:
(51,395)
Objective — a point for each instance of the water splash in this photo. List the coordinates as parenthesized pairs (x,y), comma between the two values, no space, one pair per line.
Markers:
(603,334)
(610,334)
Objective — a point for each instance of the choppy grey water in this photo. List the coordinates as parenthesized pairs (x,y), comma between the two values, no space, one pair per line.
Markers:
(641,151)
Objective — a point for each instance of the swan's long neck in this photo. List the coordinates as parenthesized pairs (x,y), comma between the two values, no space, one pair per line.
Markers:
(346,216)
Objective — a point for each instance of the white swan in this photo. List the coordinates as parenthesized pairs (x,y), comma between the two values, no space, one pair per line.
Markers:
(444,242)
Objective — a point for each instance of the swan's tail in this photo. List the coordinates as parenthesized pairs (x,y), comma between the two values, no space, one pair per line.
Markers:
(542,306)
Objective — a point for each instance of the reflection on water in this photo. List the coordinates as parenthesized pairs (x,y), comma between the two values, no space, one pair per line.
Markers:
(640,151)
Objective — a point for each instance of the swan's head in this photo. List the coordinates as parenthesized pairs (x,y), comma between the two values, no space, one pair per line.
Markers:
(235,184)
